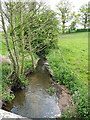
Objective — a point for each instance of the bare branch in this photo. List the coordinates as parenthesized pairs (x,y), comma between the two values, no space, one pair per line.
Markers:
(6,38)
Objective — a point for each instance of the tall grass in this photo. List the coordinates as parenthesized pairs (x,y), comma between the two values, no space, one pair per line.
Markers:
(63,74)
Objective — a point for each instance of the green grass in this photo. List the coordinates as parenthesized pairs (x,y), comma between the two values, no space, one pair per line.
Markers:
(70,66)
(74,49)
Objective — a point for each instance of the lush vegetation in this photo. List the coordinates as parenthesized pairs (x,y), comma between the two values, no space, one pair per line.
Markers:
(34,31)
(27,37)
(69,63)
(74,49)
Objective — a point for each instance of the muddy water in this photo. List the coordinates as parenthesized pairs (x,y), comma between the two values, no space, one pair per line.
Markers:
(34,101)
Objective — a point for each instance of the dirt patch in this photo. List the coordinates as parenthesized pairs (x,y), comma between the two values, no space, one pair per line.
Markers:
(64,98)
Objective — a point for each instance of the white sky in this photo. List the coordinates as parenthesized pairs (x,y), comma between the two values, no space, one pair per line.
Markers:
(53,3)
(76,3)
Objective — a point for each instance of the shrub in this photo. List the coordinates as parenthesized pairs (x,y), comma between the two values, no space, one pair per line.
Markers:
(23,81)
(6,93)
(83,30)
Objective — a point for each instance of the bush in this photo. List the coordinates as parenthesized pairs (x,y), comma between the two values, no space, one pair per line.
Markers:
(83,30)
(23,81)
(7,94)
(6,70)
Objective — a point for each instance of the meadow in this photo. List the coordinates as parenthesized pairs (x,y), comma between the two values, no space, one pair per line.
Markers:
(74,49)
(69,63)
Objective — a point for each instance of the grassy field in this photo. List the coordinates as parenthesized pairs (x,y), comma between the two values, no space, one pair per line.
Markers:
(69,63)
(74,49)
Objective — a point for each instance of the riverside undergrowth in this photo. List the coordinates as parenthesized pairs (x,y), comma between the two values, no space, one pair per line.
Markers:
(6,93)
(66,76)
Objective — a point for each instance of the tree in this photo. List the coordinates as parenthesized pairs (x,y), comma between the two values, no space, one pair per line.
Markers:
(64,7)
(43,25)
(74,22)
(11,41)
(83,13)
(32,30)
(73,26)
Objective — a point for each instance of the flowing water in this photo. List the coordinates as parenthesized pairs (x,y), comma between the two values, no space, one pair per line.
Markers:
(35,101)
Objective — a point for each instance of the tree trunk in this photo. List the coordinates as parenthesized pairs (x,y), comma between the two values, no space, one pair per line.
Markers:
(63,23)
(22,40)
(84,26)
(85,22)
(63,27)
(30,47)
(6,38)
(13,40)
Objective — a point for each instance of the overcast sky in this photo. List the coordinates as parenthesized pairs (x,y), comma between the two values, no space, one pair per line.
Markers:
(76,3)
(53,3)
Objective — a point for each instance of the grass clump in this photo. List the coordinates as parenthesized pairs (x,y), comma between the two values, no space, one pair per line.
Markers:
(51,91)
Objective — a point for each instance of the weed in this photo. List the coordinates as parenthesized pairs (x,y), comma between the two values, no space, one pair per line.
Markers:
(51,91)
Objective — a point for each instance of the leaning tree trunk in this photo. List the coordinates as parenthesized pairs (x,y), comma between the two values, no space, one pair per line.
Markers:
(14,75)
(30,47)
(7,42)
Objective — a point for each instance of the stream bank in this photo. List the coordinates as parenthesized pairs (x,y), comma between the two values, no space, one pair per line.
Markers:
(65,101)
(35,101)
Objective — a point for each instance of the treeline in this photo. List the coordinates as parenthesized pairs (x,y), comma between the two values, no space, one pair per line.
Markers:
(69,19)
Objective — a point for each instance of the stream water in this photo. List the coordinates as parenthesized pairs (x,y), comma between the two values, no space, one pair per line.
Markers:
(35,101)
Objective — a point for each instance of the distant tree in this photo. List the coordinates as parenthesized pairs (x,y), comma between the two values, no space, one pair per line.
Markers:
(73,26)
(89,14)
(74,22)
(83,13)
(64,7)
